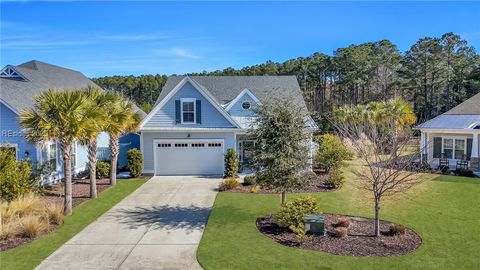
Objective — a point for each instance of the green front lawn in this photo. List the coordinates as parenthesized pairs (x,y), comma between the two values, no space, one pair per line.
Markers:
(444,210)
(30,255)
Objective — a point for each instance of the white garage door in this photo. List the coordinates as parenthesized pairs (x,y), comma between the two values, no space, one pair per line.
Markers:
(188,157)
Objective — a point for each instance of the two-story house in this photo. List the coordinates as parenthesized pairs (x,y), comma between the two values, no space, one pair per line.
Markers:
(196,119)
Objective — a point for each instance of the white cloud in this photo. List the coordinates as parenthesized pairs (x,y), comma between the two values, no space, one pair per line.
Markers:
(185,53)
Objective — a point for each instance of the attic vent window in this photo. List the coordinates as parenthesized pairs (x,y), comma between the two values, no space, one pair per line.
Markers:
(246,105)
(9,72)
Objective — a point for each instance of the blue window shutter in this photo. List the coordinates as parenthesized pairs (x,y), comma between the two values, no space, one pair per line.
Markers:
(198,107)
(178,112)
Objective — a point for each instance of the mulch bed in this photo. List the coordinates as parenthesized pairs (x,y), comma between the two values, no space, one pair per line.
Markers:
(318,185)
(55,194)
(80,190)
(18,241)
(358,242)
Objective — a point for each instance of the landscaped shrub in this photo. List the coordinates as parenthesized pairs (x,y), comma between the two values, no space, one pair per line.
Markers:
(292,213)
(134,162)
(310,176)
(55,213)
(331,151)
(31,226)
(464,172)
(15,176)
(340,232)
(249,180)
(396,229)
(229,183)
(231,163)
(103,169)
(343,222)
(28,216)
(255,189)
(335,178)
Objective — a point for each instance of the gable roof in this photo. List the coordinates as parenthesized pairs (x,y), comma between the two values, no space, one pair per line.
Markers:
(466,115)
(239,96)
(40,76)
(470,106)
(204,92)
(226,88)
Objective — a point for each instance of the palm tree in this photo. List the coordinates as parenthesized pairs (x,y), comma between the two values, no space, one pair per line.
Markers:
(58,116)
(400,115)
(99,104)
(121,119)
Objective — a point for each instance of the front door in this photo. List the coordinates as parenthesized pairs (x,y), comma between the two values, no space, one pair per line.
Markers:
(247,148)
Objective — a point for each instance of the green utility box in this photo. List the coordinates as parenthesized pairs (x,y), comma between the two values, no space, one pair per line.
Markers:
(314,224)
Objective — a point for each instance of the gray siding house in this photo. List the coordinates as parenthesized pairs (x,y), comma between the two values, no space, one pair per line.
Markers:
(453,137)
(196,119)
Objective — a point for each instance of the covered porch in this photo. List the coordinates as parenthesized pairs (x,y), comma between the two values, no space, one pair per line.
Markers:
(455,148)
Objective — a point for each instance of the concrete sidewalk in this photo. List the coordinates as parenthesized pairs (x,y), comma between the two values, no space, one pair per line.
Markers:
(159,226)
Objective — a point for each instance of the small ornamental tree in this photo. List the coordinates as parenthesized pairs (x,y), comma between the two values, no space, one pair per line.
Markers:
(231,163)
(281,152)
(134,162)
(383,175)
(331,152)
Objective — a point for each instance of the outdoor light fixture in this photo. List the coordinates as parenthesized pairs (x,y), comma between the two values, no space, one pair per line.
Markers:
(188,136)
(27,154)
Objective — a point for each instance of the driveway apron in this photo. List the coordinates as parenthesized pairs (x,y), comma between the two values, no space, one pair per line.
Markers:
(159,226)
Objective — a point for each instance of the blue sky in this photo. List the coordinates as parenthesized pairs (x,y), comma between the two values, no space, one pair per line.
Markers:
(121,38)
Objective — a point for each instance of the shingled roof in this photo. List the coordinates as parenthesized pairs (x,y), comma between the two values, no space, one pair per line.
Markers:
(470,106)
(466,115)
(40,76)
(225,88)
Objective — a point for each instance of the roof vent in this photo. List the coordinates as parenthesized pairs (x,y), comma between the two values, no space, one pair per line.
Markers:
(9,72)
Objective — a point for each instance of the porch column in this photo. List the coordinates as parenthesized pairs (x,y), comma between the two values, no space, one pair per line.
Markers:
(422,146)
(475,145)
(474,159)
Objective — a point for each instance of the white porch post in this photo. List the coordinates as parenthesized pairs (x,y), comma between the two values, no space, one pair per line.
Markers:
(474,159)
(475,145)
(422,146)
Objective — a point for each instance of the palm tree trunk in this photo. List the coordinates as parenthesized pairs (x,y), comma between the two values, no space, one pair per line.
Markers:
(92,165)
(114,149)
(67,167)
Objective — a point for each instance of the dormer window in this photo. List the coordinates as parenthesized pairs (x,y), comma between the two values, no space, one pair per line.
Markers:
(246,105)
(188,111)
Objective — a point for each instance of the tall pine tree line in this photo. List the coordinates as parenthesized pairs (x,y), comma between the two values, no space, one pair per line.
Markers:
(435,74)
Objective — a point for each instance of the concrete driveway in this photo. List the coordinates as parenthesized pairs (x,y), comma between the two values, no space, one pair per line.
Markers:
(159,226)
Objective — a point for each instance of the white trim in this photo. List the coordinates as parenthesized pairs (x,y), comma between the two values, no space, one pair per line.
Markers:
(141,151)
(8,106)
(454,138)
(236,99)
(462,131)
(202,91)
(188,129)
(155,142)
(18,76)
(194,101)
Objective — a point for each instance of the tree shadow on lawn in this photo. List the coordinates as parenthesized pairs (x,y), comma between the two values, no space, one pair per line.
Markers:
(457,179)
(167,217)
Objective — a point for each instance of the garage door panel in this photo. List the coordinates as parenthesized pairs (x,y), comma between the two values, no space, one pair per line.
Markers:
(189,157)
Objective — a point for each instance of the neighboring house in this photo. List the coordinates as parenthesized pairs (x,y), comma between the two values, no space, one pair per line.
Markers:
(453,136)
(196,119)
(19,85)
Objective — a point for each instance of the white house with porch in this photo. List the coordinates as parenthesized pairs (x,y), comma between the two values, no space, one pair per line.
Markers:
(453,137)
